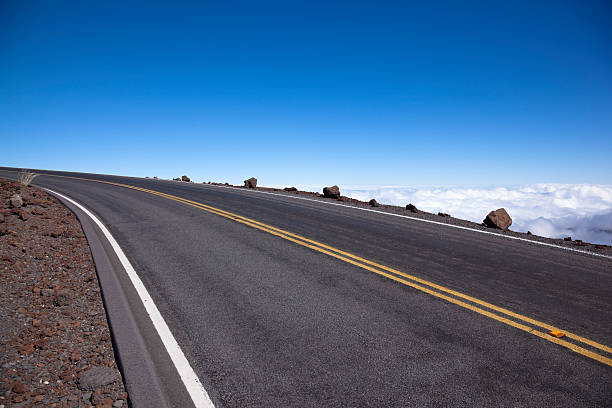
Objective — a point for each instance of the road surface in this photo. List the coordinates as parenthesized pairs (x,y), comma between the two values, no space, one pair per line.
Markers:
(278,301)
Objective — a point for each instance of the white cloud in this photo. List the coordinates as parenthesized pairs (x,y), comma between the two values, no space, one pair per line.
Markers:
(582,211)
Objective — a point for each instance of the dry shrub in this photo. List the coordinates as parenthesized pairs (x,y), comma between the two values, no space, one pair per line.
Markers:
(25,177)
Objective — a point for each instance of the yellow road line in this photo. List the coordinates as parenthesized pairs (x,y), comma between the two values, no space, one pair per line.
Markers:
(376,268)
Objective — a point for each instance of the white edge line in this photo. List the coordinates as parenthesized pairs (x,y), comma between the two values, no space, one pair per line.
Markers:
(419,219)
(190,379)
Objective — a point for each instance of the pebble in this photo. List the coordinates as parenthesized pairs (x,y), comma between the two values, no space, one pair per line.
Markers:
(96,377)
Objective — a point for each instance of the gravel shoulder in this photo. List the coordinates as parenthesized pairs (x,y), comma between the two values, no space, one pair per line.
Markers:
(55,344)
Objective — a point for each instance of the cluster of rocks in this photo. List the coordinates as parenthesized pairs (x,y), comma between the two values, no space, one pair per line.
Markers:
(498,219)
(55,345)
(250,183)
(182,178)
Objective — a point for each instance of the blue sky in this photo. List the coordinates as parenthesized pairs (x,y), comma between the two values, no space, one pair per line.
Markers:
(380,93)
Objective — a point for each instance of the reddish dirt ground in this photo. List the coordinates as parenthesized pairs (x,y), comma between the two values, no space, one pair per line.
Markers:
(55,345)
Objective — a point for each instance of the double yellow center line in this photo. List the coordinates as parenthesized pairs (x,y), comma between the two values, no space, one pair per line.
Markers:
(460,299)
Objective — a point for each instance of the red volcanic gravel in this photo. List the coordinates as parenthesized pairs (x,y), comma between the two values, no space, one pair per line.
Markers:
(54,337)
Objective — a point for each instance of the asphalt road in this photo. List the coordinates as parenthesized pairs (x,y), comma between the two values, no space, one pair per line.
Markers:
(272,323)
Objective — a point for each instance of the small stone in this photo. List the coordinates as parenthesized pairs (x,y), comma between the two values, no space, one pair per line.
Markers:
(86,396)
(26,349)
(63,297)
(96,377)
(374,203)
(105,403)
(118,404)
(19,387)
(16,201)
(567,238)
(441,214)
(75,356)
(1,218)
(22,214)
(290,189)
(46,292)
(18,265)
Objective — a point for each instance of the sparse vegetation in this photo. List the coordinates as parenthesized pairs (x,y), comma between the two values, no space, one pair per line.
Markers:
(25,177)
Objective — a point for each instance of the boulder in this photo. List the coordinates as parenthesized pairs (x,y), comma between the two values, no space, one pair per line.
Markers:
(290,189)
(250,183)
(498,219)
(441,214)
(177,179)
(16,201)
(374,203)
(331,192)
(186,179)
(567,238)
(412,208)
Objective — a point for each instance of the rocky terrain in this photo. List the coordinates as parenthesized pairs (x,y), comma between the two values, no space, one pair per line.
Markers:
(496,224)
(55,345)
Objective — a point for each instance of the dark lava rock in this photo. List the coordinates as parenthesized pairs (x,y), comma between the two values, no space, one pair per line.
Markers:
(96,377)
(373,203)
(177,179)
(290,189)
(250,183)
(441,214)
(22,214)
(186,179)
(16,201)
(63,297)
(412,208)
(567,238)
(331,192)
(498,219)
(19,388)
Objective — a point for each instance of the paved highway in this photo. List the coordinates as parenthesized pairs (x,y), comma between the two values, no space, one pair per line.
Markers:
(280,302)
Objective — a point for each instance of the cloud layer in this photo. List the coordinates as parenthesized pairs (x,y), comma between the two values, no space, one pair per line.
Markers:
(581,211)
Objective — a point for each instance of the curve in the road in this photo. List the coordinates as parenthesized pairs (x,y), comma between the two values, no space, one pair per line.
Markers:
(397,276)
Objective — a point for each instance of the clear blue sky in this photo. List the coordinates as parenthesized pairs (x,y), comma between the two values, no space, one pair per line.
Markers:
(457,93)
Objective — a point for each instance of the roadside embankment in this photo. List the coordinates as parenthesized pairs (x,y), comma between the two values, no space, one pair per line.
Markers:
(55,345)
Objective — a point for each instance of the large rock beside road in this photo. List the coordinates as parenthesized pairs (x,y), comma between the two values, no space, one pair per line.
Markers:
(331,192)
(250,183)
(185,178)
(498,219)
(412,208)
